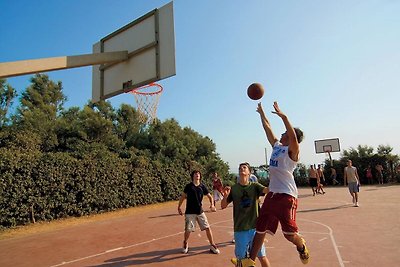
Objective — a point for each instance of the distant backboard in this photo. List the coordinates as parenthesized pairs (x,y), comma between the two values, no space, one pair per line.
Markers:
(327,145)
(150,42)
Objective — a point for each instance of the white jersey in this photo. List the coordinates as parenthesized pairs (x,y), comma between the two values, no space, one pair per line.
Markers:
(281,168)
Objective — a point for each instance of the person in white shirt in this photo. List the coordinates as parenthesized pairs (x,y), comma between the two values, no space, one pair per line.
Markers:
(280,204)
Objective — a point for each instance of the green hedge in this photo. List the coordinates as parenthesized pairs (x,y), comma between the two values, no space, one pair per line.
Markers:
(38,186)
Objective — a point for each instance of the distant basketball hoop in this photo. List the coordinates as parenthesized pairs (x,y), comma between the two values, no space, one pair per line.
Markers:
(327,146)
(147,98)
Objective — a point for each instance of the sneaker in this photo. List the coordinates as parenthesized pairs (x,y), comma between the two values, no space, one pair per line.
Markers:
(185,248)
(356,205)
(234,261)
(246,262)
(214,249)
(304,254)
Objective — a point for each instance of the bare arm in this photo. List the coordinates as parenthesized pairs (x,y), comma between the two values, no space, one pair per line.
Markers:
(294,147)
(211,200)
(358,178)
(344,176)
(266,125)
(181,199)
(225,194)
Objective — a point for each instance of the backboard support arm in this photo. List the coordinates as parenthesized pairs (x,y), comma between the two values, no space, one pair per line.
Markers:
(17,68)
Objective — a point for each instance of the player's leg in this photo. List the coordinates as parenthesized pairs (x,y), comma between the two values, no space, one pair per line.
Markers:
(190,226)
(289,226)
(262,257)
(204,225)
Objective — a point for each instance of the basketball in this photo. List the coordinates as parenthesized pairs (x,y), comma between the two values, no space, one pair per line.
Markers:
(255,91)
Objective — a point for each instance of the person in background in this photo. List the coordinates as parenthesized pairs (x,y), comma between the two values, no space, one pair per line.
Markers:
(322,182)
(217,187)
(352,180)
(333,176)
(193,193)
(313,179)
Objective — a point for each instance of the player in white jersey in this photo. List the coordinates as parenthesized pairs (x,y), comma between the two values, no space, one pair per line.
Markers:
(280,204)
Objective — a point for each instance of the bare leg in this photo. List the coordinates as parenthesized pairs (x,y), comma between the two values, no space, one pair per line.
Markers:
(257,243)
(210,237)
(186,236)
(264,261)
(352,195)
(296,240)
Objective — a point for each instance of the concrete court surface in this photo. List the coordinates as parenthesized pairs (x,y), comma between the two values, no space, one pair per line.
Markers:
(337,234)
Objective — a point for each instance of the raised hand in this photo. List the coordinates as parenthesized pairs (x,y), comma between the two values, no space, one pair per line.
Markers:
(278,110)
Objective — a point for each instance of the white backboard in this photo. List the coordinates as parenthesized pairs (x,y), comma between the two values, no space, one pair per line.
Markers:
(325,145)
(150,42)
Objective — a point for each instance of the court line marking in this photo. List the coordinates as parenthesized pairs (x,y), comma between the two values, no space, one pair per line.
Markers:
(330,233)
(126,247)
(115,249)
(335,247)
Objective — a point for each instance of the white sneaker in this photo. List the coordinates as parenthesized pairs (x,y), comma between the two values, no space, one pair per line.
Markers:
(185,248)
(356,205)
(214,249)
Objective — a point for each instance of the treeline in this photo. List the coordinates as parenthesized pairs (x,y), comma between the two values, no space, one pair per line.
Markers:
(57,162)
(362,156)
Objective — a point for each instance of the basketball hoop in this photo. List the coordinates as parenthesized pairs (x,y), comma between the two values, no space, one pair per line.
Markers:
(146,98)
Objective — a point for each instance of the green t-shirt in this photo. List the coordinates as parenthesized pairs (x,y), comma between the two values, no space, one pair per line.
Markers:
(245,205)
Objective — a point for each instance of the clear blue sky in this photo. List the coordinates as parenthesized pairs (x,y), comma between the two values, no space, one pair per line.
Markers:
(333,66)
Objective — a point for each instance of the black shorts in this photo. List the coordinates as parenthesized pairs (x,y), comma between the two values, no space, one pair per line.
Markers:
(313,182)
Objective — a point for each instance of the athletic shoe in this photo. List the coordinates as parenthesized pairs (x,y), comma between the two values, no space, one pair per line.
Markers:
(304,254)
(185,248)
(234,261)
(214,249)
(356,205)
(246,262)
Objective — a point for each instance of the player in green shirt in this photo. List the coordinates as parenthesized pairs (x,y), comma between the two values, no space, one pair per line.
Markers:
(245,195)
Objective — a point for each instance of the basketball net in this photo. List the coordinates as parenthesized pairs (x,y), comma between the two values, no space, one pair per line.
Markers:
(147,98)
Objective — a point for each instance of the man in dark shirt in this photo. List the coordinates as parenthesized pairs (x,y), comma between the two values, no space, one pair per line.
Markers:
(193,193)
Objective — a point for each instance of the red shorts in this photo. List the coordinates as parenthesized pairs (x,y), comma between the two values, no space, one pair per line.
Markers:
(278,208)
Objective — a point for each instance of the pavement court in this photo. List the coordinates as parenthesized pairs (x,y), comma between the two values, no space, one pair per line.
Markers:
(337,234)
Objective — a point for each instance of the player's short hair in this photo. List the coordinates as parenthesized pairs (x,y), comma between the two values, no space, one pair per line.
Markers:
(299,134)
(245,164)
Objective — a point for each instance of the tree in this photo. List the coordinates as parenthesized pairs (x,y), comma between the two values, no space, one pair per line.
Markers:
(39,107)
(7,95)
(390,160)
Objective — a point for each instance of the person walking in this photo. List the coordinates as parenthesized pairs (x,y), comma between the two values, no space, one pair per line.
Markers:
(217,188)
(280,204)
(193,193)
(352,179)
(245,197)
(333,176)
(368,174)
(379,173)
(313,179)
(321,176)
